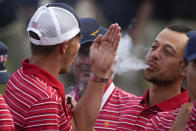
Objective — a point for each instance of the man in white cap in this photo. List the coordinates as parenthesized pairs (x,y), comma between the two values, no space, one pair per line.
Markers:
(35,96)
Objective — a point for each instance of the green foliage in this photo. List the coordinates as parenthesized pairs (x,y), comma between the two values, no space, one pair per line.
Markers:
(2,88)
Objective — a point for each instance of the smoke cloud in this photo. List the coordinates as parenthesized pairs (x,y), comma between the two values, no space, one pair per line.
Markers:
(126,60)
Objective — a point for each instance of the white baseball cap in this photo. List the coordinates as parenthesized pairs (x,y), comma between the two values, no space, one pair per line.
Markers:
(54,23)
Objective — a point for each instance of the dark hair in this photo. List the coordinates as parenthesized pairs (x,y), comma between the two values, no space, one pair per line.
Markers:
(40,49)
(179,28)
(44,49)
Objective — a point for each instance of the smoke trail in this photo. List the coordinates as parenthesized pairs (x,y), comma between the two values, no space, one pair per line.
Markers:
(125,60)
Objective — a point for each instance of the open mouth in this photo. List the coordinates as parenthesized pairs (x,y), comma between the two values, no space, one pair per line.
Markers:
(152,66)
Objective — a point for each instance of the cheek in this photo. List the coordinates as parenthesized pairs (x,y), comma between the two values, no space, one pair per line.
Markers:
(77,64)
(191,75)
(191,78)
(77,47)
(78,61)
(76,67)
(147,56)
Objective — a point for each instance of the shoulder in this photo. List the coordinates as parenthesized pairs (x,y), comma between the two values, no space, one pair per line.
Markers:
(29,87)
(125,93)
(125,97)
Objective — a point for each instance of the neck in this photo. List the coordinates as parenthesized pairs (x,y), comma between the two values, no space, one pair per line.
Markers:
(47,63)
(160,93)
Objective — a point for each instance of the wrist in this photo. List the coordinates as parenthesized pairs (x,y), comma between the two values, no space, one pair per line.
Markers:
(100,73)
(100,79)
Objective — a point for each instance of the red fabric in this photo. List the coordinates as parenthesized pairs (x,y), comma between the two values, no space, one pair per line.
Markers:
(6,121)
(109,114)
(137,115)
(191,125)
(36,100)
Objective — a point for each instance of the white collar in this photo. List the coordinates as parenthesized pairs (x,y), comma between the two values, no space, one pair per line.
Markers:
(107,94)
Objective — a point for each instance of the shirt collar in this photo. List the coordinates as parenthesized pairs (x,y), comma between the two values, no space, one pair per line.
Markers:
(108,86)
(35,70)
(171,103)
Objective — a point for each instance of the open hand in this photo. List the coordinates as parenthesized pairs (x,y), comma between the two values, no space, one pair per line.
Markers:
(103,51)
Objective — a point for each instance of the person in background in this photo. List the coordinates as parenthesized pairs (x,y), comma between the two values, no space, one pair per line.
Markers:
(186,119)
(35,96)
(4,74)
(158,107)
(114,98)
(6,121)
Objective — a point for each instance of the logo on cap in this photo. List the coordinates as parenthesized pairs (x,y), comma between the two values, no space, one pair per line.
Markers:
(94,33)
(34,24)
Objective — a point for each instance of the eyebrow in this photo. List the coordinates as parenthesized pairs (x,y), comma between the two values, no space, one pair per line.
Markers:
(167,45)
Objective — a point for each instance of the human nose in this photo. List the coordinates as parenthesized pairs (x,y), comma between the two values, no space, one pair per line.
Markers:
(87,61)
(156,54)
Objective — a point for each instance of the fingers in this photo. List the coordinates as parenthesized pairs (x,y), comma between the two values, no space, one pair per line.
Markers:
(106,36)
(114,37)
(111,39)
(117,38)
(111,36)
(97,41)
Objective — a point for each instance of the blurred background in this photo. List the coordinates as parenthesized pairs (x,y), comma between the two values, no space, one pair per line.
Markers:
(141,19)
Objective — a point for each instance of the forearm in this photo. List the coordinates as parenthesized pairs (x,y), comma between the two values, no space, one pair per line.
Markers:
(102,55)
(87,109)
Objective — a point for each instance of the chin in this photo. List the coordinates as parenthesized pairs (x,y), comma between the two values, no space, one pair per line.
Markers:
(149,78)
(64,71)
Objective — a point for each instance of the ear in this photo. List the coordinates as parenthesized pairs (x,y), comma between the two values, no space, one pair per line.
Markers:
(63,47)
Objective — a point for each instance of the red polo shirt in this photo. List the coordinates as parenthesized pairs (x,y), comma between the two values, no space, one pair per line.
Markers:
(6,121)
(36,100)
(137,115)
(191,126)
(113,102)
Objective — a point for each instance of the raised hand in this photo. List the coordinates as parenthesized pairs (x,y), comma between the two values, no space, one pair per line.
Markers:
(103,51)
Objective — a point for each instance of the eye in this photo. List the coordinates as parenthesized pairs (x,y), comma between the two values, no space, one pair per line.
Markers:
(167,52)
(154,47)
